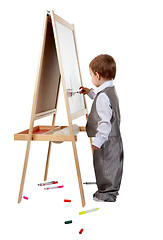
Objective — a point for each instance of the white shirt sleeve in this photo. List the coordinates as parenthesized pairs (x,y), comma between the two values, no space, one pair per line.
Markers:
(92,94)
(104,110)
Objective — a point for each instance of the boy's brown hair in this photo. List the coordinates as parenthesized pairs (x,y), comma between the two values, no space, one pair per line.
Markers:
(105,65)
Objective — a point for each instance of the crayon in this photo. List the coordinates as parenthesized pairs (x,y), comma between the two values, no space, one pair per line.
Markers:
(70,93)
(89,183)
(54,187)
(87,211)
(47,183)
(25,197)
(67,222)
(80,232)
(67,200)
(75,92)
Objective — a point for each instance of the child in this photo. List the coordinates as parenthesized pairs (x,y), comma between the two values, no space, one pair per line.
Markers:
(104,124)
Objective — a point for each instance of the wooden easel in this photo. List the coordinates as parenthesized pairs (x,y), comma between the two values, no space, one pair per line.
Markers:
(50,73)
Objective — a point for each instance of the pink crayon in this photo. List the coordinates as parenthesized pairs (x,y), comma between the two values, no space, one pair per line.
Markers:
(25,197)
(54,187)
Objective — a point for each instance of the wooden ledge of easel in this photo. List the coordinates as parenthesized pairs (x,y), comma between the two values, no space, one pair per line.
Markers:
(82,129)
(42,133)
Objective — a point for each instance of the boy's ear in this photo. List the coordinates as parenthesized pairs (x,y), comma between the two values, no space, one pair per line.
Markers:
(98,75)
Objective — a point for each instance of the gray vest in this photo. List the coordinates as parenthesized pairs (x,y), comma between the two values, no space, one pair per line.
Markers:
(93,118)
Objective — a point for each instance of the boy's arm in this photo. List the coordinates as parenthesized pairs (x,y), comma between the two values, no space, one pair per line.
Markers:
(104,110)
(89,92)
(92,94)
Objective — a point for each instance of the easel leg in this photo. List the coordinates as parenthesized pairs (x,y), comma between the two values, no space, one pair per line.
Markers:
(24,171)
(47,162)
(48,155)
(78,174)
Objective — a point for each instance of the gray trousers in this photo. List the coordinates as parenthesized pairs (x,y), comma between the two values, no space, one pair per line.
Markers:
(108,166)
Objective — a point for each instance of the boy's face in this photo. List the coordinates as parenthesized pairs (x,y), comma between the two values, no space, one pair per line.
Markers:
(95,78)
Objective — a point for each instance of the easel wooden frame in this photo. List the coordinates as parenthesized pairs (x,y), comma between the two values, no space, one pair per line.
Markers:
(29,135)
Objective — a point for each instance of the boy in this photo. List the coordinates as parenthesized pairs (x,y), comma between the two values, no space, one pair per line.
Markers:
(104,124)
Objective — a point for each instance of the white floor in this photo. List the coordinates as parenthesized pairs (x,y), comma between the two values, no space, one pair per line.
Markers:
(131,31)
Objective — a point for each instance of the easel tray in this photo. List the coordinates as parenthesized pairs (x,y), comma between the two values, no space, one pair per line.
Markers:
(45,133)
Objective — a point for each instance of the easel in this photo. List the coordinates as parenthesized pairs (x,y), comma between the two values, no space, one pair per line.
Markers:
(50,73)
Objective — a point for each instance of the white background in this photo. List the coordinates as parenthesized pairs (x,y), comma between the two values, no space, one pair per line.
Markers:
(130,31)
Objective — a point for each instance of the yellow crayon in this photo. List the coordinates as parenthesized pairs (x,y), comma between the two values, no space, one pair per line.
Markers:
(87,211)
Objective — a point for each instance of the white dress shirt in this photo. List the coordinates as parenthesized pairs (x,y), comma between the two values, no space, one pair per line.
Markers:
(104,110)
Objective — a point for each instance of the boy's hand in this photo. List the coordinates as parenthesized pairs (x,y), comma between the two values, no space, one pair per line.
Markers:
(94,147)
(84,90)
